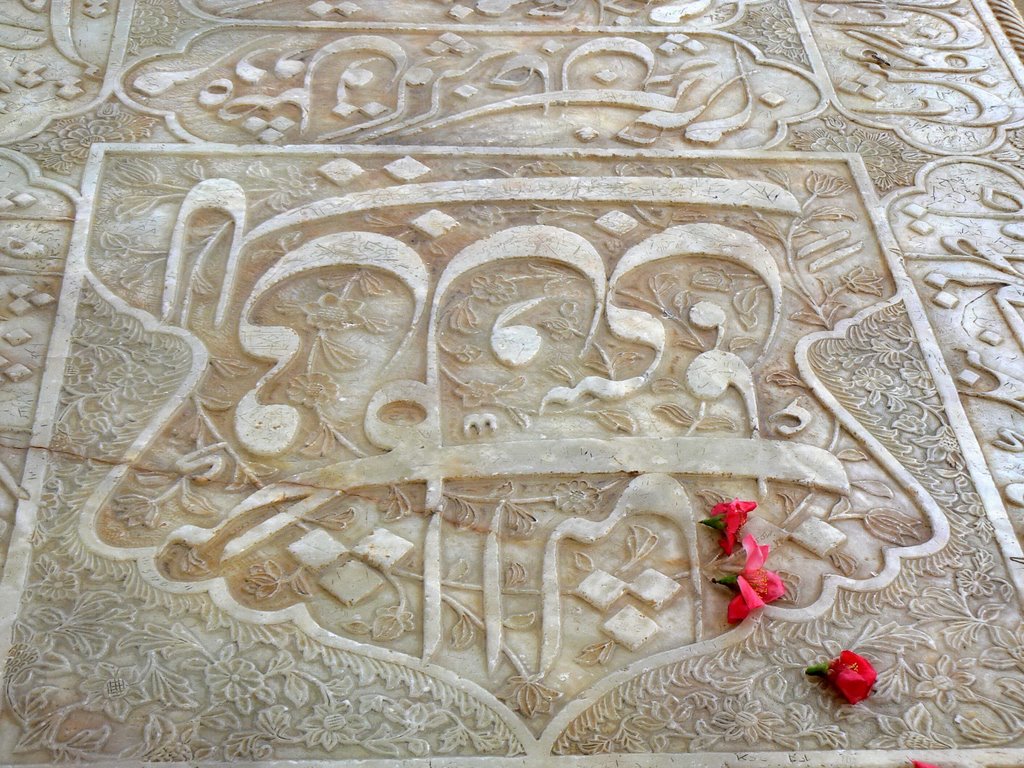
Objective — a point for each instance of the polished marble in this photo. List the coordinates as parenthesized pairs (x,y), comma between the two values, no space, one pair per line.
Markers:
(368,366)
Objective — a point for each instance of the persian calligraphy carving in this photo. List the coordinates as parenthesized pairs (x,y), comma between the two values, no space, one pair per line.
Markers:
(369,432)
(702,88)
(399,405)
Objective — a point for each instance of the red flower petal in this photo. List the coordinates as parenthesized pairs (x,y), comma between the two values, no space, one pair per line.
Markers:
(776,588)
(756,554)
(738,610)
(919,764)
(733,516)
(853,676)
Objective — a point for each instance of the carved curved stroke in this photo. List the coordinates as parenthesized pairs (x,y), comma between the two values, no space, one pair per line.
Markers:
(832,582)
(270,429)
(728,194)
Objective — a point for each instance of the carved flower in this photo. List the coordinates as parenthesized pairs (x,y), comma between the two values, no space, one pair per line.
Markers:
(55,582)
(477,392)
(529,695)
(153,23)
(116,691)
(942,680)
(67,142)
(773,30)
(743,720)
(976,579)
(79,370)
(331,726)
(576,497)
(333,313)
(875,381)
(136,511)
(418,717)
(889,161)
(494,289)
(485,215)
(942,446)
(238,681)
(910,422)
(312,389)
(824,184)
(916,375)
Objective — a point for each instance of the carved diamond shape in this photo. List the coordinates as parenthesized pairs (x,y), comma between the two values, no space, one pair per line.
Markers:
(601,589)
(630,628)
(406,169)
(317,549)
(341,171)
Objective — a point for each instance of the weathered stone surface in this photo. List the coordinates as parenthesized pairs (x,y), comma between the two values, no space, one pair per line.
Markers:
(367,367)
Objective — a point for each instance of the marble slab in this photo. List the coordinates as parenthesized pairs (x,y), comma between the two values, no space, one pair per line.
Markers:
(367,368)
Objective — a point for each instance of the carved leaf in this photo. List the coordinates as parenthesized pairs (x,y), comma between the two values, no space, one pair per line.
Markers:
(596,654)
(710,497)
(462,634)
(783,379)
(459,570)
(357,627)
(518,520)
(583,562)
(716,421)
(296,689)
(193,503)
(339,356)
(892,525)
(397,504)
(674,413)
(520,620)
(460,512)
(746,302)
(640,542)
(333,519)
(615,420)
(741,342)
(515,575)
(851,454)
(664,385)
(874,487)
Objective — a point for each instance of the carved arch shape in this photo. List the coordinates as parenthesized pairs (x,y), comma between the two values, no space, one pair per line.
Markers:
(643,328)
(221,195)
(268,430)
(531,241)
(371,44)
(614,45)
(649,494)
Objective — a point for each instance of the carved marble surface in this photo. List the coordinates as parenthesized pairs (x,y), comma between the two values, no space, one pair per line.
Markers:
(366,367)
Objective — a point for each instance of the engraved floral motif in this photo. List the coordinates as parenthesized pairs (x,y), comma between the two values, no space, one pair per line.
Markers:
(890,162)
(66,143)
(770,26)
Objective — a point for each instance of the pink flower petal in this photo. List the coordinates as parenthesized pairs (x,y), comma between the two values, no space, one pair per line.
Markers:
(750,596)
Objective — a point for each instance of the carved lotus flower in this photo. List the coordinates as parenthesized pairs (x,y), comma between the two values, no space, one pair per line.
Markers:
(238,681)
(110,689)
(333,313)
(331,726)
(529,695)
(312,389)
(825,184)
(576,497)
